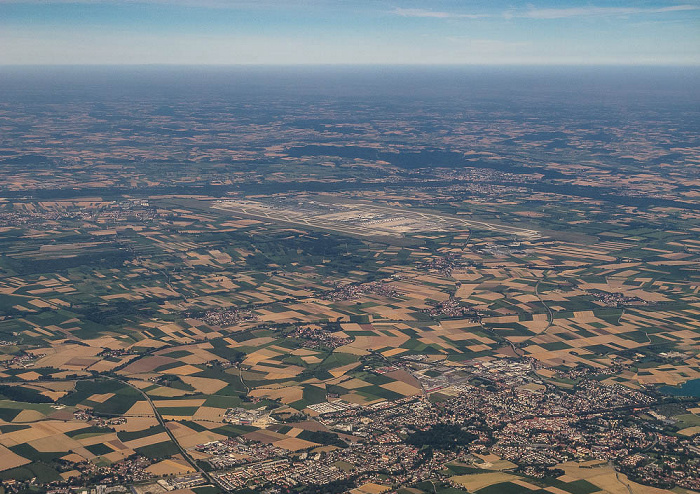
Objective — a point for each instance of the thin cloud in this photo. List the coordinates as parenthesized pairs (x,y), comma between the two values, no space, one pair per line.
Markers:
(489,44)
(220,4)
(547,13)
(424,13)
(593,11)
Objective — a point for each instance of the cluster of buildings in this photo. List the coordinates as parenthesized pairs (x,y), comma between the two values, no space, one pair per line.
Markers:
(98,489)
(357,290)
(233,452)
(616,299)
(128,210)
(664,471)
(517,417)
(328,407)
(83,414)
(445,265)
(104,479)
(22,361)
(452,308)
(435,377)
(360,462)
(39,216)
(506,407)
(182,482)
(268,471)
(115,353)
(259,417)
(308,470)
(227,317)
(316,337)
(87,415)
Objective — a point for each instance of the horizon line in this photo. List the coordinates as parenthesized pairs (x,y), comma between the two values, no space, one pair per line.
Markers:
(349,65)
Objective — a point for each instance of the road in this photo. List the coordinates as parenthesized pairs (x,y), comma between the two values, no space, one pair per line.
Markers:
(550,315)
(617,477)
(213,480)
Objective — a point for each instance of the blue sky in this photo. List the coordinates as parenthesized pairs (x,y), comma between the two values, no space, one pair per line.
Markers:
(641,32)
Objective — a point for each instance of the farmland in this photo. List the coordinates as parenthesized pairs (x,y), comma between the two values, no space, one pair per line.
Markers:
(253,308)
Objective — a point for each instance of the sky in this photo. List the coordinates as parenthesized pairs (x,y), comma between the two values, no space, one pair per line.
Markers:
(291,32)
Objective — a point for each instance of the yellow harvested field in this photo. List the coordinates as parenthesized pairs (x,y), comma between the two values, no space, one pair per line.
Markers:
(402,388)
(379,342)
(209,414)
(140,409)
(109,439)
(303,351)
(116,444)
(115,456)
(340,371)
(58,442)
(294,444)
(275,373)
(179,429)
(371,488)
(148,440)
(72,457)
(394,351)
(606,478)
(556,490)
(61,426)
(170,467)
(184,370)
(164,392)
(285,395)
(480,480)
(204,385)
(133,424)
(9,459)
(525,484)
(54,395)
(29,376)
(100,398)
(260,356)
(690,431)
(494,462)
(179,403)
(140,384)
(351,349)
(56,386)
(26,435)
(200,455)
(355,383)
(70,356)
(28,416)
(254,342)
(103,366)
(195,438)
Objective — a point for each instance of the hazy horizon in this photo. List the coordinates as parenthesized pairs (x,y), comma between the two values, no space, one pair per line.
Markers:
(361,32)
